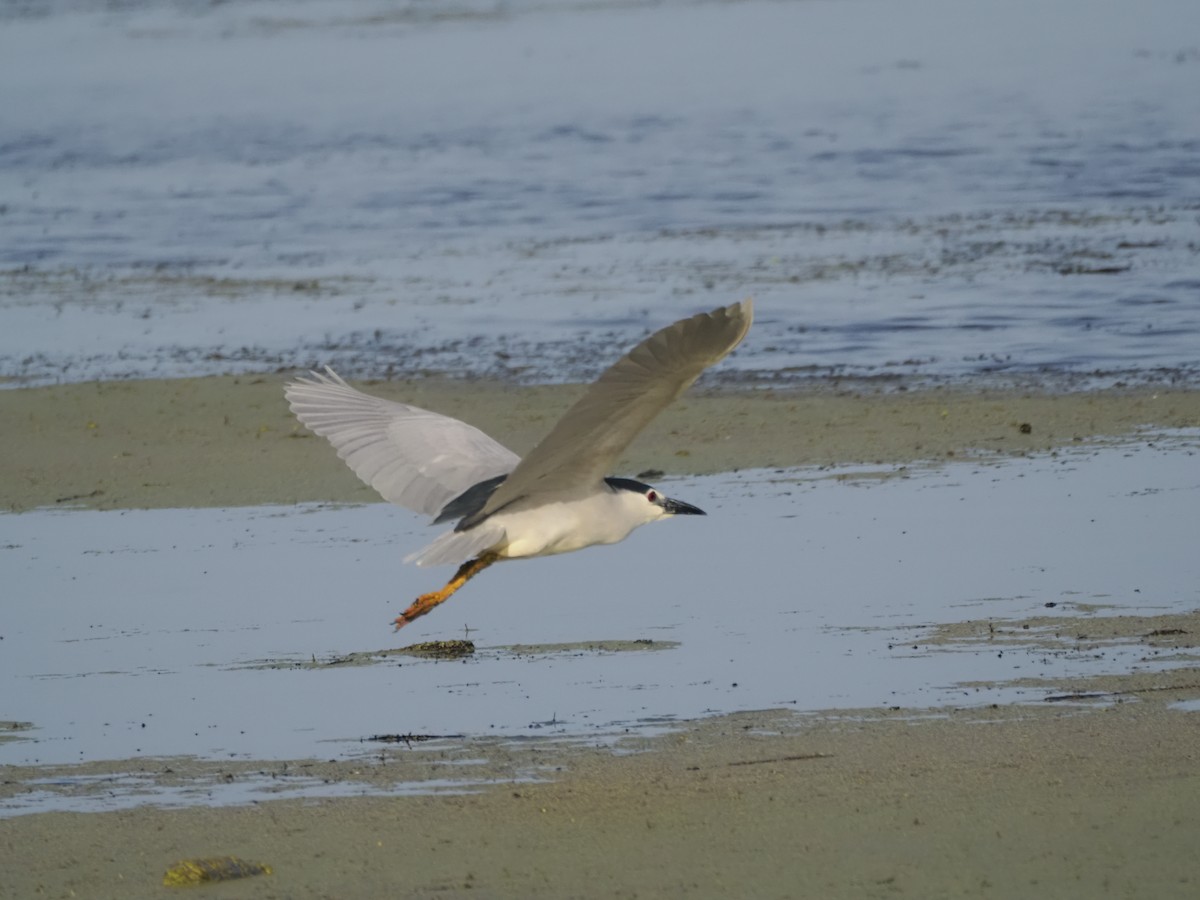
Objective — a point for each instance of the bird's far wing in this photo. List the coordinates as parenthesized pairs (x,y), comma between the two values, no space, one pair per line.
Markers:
(585,443)
(414,458)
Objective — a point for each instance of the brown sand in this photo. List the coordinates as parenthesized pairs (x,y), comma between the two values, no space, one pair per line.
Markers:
(1060,801)
(230,441)
(1059,804)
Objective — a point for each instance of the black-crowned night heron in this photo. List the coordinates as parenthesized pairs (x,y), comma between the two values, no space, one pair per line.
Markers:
(560,497)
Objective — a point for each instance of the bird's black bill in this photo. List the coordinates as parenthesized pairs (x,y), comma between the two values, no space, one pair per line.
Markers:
(679,508)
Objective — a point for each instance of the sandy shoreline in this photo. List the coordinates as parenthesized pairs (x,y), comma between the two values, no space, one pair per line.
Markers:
(996,803)
(231,441)
(1062,800)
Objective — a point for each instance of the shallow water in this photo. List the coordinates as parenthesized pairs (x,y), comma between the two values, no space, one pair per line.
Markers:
(210,633)
(916,188)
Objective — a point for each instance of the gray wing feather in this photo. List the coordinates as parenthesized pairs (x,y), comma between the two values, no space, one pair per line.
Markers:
(581,449)
(415,458)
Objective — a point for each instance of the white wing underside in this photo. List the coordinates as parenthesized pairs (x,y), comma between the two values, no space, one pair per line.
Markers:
(414,458)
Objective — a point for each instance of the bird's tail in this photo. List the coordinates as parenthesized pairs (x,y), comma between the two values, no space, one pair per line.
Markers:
(459,546)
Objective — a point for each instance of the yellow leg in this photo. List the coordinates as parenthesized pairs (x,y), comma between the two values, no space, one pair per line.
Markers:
(426,602)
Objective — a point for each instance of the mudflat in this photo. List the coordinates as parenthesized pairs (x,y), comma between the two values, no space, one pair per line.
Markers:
(231,441)
(1097,795)
(986,803)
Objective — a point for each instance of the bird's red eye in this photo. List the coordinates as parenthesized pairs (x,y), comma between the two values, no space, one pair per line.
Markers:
(651,496)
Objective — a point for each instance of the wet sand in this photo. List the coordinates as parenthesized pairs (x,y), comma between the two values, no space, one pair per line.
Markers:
(1063,799)
(230,441)
(991,803)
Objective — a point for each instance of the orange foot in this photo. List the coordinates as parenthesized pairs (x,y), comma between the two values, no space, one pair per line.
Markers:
(426,602)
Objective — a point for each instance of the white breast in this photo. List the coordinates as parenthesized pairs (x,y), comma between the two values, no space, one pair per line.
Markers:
(602,518)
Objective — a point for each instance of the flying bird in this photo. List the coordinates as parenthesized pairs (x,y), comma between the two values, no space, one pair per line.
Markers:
(560,497)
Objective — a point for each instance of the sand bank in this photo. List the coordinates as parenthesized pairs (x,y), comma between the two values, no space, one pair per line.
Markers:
(229,441)
(1065,799)
(990,803)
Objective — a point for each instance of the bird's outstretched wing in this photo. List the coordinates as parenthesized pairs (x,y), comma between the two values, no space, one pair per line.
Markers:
(581,449)
(414,458)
